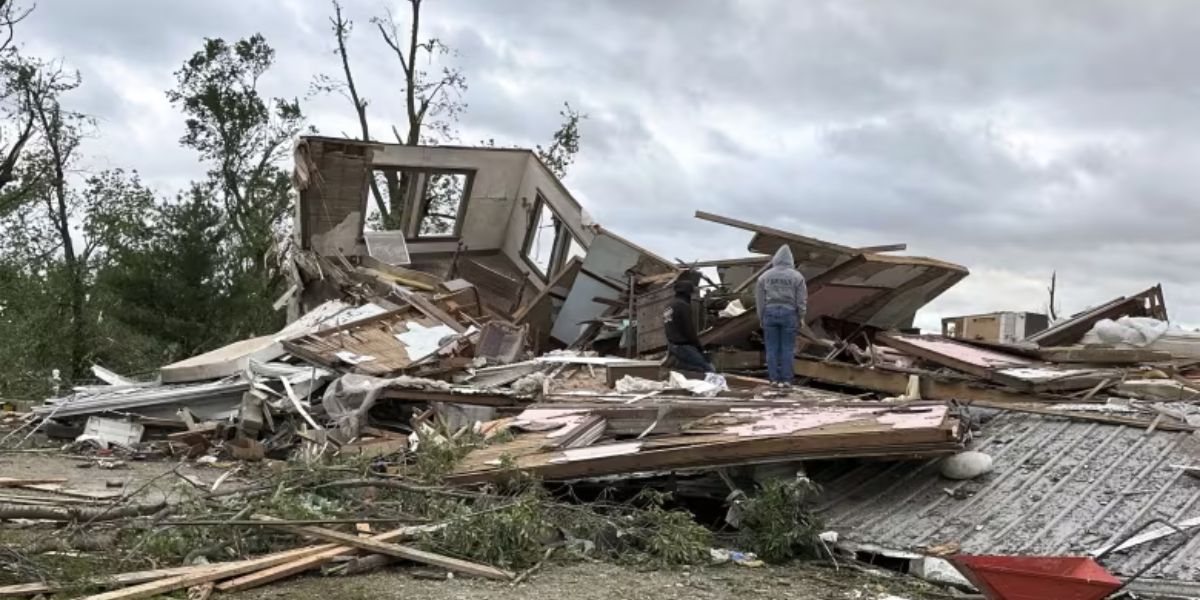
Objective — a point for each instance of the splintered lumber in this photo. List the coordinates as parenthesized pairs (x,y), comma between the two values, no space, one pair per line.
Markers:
(131,578)
(1047,409)
(1102,355)
(156,576)
(23,483)
(405,552)
(208,573)
(277,572)
(54,488)
(896,383)
(741,436)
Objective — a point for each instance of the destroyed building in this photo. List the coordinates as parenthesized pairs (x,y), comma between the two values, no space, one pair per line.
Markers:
(499,306)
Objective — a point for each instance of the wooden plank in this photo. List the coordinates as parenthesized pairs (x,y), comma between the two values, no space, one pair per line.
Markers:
(726,262)
(1102,356)
(295,400)
(951,353)
(207,573)
(55,488)
(779,233)
(481,399)
(884,248)
(431,310)
(895,383)
(277,572)
(15,482)
(1043,409)
(857,436)
(123,579)
(405,552)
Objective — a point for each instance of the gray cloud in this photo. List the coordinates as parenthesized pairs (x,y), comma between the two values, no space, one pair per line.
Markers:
(1015,138)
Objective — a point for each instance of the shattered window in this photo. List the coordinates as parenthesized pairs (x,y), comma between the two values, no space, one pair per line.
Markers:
(548,243)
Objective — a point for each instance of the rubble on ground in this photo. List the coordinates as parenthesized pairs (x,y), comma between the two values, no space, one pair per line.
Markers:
(514,340)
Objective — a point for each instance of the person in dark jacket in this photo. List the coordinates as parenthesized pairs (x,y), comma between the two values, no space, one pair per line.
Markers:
(781,298)
(683,342)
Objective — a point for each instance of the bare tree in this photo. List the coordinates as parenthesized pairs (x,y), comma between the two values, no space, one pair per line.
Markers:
(425,97)
(10,15)
(342,27)
(16,118)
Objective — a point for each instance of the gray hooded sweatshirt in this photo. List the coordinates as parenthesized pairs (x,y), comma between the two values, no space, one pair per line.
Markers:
(781,285)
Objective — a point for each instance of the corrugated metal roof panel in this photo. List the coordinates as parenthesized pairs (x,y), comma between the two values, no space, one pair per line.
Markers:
(1057,487)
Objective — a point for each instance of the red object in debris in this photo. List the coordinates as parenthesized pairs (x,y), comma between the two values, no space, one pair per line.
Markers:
(1037,577)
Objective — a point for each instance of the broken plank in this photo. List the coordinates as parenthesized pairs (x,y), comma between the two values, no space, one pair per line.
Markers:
(430,309)
(277,572)
(295,400)
(374,448)
(1102,355)
(54,488)
(405,552)
(1044,409)
(206,573)
(895,383)
(15,482)
(131,578)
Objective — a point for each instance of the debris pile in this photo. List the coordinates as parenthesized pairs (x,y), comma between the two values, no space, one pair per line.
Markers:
(501,344)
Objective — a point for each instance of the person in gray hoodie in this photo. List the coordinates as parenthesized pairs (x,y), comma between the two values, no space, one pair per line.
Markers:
(781,299)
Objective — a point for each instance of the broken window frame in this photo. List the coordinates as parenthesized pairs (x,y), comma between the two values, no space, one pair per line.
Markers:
(410,219)
(560,251)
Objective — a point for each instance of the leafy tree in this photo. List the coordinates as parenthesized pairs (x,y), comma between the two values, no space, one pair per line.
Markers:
(167,276)
(243,137)
(560,154)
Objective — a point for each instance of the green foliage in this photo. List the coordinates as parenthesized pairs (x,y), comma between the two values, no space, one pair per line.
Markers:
(243,137)
(560,154)
(666,536)
(512,535)
(777,524)
(438,455)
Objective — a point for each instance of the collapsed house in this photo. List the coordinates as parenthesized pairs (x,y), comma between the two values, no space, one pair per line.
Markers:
(494,303)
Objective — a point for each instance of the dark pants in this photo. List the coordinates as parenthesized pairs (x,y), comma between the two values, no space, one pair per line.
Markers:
(780,324)
(690,358)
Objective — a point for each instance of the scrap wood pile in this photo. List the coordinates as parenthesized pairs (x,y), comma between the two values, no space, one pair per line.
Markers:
(1121,363)
(336,517)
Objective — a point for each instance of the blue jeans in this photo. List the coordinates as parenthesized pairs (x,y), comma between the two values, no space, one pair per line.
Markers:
(780,324)
(690,358)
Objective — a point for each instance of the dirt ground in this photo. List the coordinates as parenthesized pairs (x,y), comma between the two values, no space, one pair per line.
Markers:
(152,480)
(601,581)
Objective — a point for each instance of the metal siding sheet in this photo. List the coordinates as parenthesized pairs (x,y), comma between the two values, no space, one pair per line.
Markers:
(1057,487)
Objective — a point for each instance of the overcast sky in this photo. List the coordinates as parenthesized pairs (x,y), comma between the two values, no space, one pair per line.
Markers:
(1013,137)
